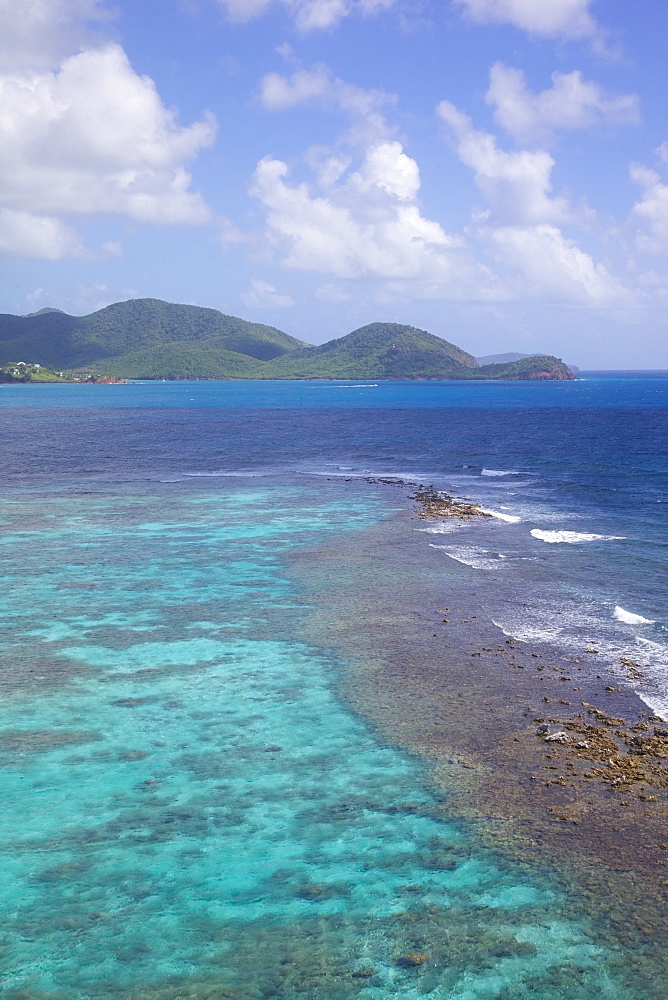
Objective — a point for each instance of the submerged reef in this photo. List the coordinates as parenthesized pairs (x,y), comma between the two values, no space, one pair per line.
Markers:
(438,678)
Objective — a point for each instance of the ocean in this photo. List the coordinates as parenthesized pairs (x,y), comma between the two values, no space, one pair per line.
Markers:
(250,744)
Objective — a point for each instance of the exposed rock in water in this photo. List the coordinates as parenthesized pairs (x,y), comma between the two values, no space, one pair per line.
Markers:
(436,503)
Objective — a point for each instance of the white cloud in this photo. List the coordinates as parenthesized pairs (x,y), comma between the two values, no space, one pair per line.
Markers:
(370,225)
(83,133)
(329,166)
(546,18)
(531,256)
(318,86)
(652,210)
(517,185)
(94,137)
(245,10)
(305,86)
(539,262)
(37,34)
(308,15)
(387,168)
(23,234)
(315,14)
(571,103)
(262,295)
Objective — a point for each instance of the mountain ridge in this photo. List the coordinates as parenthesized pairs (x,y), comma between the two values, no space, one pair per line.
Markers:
(54,337)
(153,339)
(377,350)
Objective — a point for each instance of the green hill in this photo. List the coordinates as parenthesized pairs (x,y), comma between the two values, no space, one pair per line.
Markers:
(148,338)
(183,361)
(51,337)
(379,350)
(532,368)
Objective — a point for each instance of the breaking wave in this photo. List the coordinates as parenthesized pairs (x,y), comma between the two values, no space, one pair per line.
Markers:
(573,537)
(629,618)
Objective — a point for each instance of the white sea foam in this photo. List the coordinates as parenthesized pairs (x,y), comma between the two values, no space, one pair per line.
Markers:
(654,688)
(510,518)
(362,385)
(211,475)
(658,704)
(339,473)
(629,618)
(441,528)
(572,626)
(412,477)
(573,537)
(472,556)
(496,472)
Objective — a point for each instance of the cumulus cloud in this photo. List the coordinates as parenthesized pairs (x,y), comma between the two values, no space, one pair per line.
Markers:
(652,209)
(262,295)
(539,262)
(517,185)
(319,86)
(23,234)
(94,137)
(83,133)
(571,103)
(369,225)
(518,235)
(545,18)
(39,33)
(308,15)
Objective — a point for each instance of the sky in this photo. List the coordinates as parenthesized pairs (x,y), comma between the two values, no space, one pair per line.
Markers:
(493,171)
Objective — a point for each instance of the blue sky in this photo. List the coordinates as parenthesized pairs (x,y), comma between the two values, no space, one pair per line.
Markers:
(494,171)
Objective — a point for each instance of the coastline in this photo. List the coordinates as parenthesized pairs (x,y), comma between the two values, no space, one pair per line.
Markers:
(469,701)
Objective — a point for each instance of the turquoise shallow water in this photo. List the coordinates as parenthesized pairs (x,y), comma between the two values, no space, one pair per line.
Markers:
(189,810)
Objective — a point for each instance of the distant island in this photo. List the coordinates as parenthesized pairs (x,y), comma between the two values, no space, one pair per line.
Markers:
(152,339)
(494,359)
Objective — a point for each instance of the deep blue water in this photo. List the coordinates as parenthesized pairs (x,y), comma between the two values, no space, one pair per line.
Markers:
(189,809)
(594,389)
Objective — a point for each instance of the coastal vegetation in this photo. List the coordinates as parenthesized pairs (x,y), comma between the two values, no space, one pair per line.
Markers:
(536,368)
(53,337)
(151,339)
(21,371)
(379,350)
